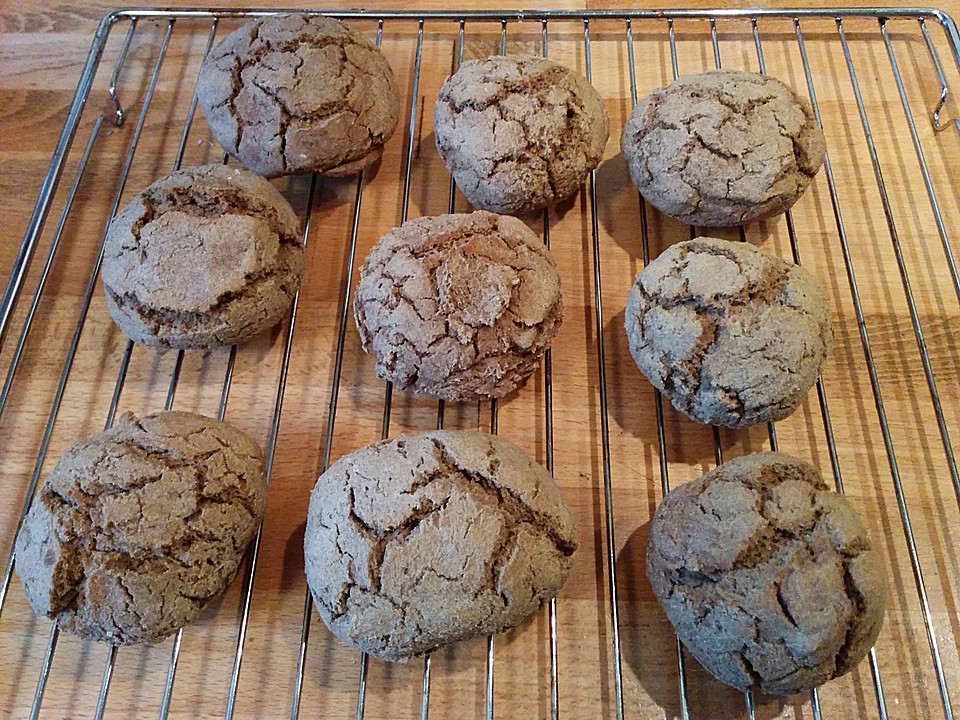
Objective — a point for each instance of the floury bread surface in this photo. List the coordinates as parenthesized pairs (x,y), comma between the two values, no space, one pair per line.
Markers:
(138,528)
(425,540)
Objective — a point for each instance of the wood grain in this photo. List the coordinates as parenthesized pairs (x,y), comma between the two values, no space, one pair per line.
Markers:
(42,48)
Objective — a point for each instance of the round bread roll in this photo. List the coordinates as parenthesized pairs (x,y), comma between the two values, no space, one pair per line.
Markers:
(458,306)
(723,148)
(207,256)
(767,576)
(297,93)
(730,335)
(138,528)
(425,540)
(519,134)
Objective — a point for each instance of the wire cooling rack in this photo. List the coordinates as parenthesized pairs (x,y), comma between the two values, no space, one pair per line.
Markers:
(876,227)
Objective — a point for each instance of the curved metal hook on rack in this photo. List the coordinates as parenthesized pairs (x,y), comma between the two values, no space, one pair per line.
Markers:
(118,115)
(938,124)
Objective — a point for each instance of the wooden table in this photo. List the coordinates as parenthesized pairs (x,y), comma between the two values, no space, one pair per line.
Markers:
(42,48)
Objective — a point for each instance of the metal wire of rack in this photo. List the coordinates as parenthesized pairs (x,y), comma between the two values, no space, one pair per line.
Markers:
(661,22)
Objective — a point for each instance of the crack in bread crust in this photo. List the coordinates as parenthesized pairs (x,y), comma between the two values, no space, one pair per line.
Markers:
(205,257)
(723,148)
(732,336)
(519,133)
(298,93)
(768,577)
(425,540)
(458,306)
(137,528)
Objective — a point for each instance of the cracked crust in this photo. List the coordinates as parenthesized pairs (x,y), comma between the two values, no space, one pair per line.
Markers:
(731,335)
(458,306)
(137,528)
(519,134)
(768,578)
(204,257)
(298,93)
(723,148)
(418,542)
